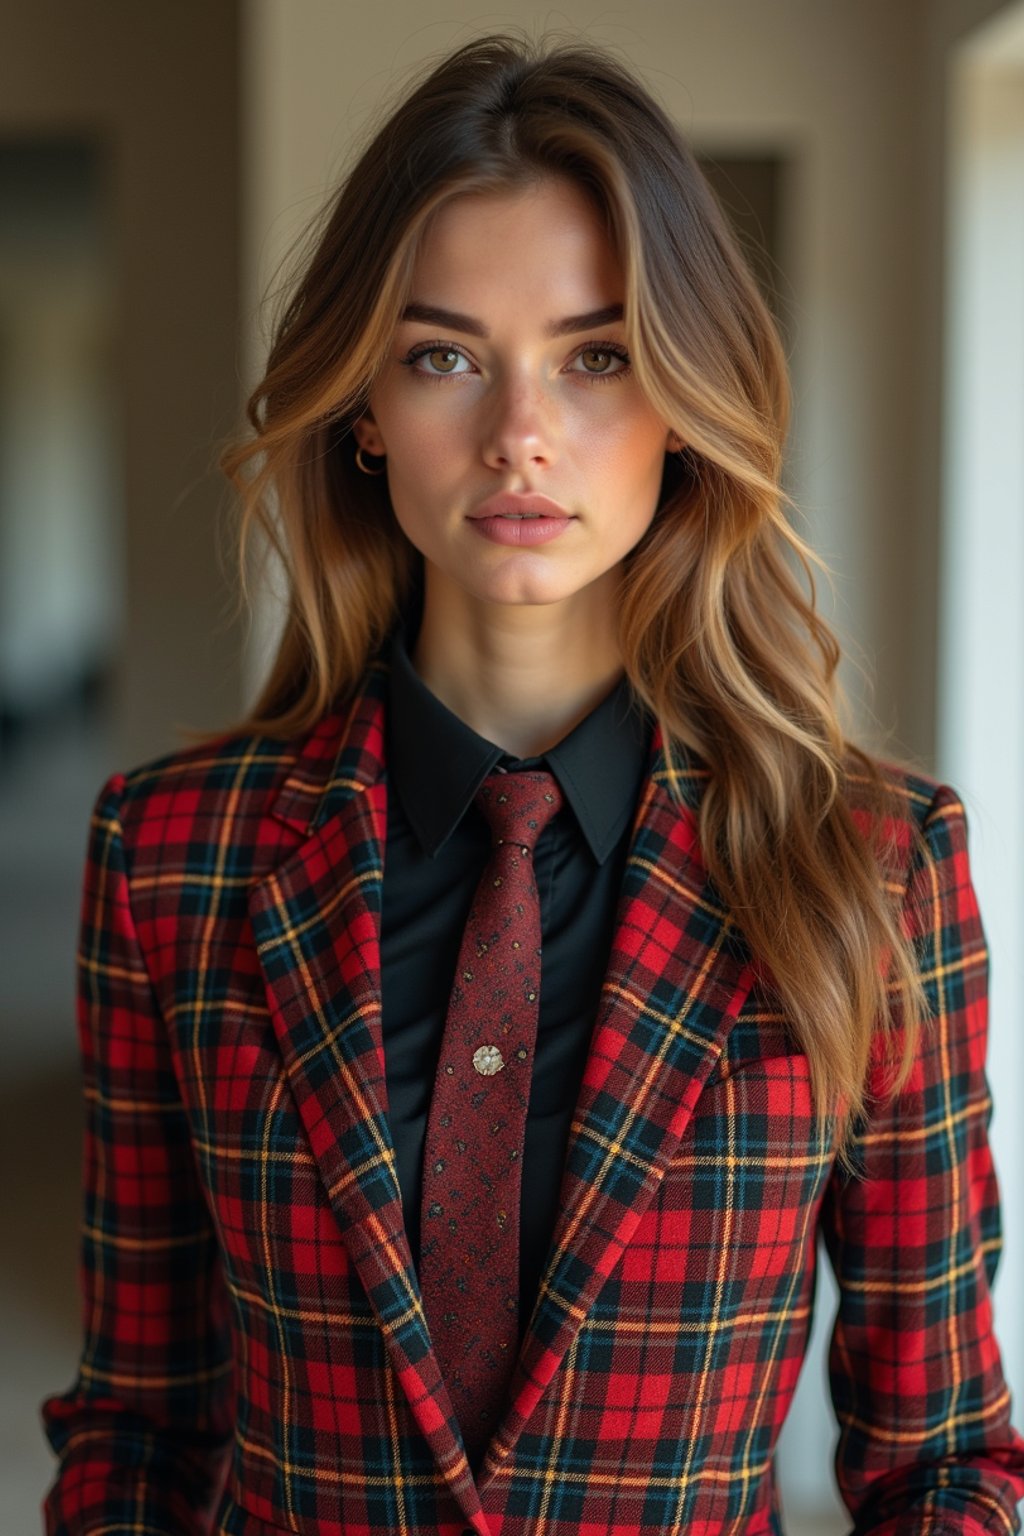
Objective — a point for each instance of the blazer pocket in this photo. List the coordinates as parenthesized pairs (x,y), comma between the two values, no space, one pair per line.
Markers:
(758,1116)
(742,1187)
(777,1066)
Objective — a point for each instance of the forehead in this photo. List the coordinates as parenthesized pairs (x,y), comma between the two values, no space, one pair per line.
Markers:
(547,239)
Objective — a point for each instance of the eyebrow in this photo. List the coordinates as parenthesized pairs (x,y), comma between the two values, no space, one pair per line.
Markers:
(431,314)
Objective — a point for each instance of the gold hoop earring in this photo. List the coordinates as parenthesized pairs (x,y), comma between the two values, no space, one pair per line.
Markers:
(364,468)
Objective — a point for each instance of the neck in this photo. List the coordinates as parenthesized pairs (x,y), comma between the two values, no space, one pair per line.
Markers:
(521,676)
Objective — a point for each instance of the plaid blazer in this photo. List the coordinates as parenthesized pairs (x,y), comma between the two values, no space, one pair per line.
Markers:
(256,1358)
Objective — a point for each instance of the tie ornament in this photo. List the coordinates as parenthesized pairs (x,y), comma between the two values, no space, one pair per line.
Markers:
(473,1148)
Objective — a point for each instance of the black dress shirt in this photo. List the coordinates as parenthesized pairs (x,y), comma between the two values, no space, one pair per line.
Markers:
(438,843)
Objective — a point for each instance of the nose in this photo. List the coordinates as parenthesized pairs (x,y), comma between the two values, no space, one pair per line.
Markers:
(520,427)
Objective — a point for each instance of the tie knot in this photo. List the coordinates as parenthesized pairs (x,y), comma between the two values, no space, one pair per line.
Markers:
(519,805)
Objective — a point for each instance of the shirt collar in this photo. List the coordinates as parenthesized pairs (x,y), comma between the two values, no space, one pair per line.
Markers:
(438,762)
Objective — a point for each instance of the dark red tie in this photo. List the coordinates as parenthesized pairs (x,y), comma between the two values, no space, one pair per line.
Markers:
(473,1151)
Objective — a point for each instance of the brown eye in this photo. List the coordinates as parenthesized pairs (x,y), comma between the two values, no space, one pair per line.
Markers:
(614,358)
(434,360)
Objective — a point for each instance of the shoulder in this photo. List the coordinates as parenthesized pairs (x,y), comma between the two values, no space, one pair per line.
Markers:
(914,795)
(249,786)
(194,789)
(915,820)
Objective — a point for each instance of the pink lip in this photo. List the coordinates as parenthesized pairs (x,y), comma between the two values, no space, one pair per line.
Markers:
(507,503)
(496,519)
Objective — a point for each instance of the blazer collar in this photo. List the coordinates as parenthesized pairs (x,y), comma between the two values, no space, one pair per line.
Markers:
(342,755)
(599,763)
(676,976)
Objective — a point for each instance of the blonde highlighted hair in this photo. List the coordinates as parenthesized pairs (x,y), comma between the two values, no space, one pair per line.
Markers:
(719,639)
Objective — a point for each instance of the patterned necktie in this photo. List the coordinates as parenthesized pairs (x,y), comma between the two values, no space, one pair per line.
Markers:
(473,1150)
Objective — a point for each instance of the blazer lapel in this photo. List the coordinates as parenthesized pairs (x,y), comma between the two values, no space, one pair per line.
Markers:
(677,976)
(675,980)
(316,922)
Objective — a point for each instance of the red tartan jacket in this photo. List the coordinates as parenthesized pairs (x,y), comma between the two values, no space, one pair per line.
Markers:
(256,1358)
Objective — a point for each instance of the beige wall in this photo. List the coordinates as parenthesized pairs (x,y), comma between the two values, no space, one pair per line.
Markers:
(158,85)
(944,24)
(981,572)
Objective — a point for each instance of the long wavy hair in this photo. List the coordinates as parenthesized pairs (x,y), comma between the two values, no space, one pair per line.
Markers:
(720,640)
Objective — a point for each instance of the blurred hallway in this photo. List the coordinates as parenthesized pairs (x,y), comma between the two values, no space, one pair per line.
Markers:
(46,791)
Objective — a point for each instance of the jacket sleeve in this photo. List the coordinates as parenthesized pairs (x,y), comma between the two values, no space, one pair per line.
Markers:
(142,1432)
(925,1440)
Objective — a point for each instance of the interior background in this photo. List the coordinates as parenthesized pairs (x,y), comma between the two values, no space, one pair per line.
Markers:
(155,164)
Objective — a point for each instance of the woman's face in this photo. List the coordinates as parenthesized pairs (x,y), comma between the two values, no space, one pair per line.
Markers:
(522,386)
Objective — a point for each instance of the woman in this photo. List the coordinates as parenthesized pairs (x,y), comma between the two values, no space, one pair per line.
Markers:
(386,1230)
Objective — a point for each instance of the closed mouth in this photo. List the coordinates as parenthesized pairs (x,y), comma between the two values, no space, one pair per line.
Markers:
(532,508)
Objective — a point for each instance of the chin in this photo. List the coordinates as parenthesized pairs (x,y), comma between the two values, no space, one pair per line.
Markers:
(529,594)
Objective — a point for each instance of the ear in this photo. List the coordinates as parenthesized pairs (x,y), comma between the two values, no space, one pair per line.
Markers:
(367,434)
(674,443)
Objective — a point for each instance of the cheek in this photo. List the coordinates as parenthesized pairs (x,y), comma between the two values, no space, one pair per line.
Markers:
(626,441)
(420,447)
(421,461)
(427,453)
(624,465)
(426,476)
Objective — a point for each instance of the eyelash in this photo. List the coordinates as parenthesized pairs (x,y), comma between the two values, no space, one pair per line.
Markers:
(424,348)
